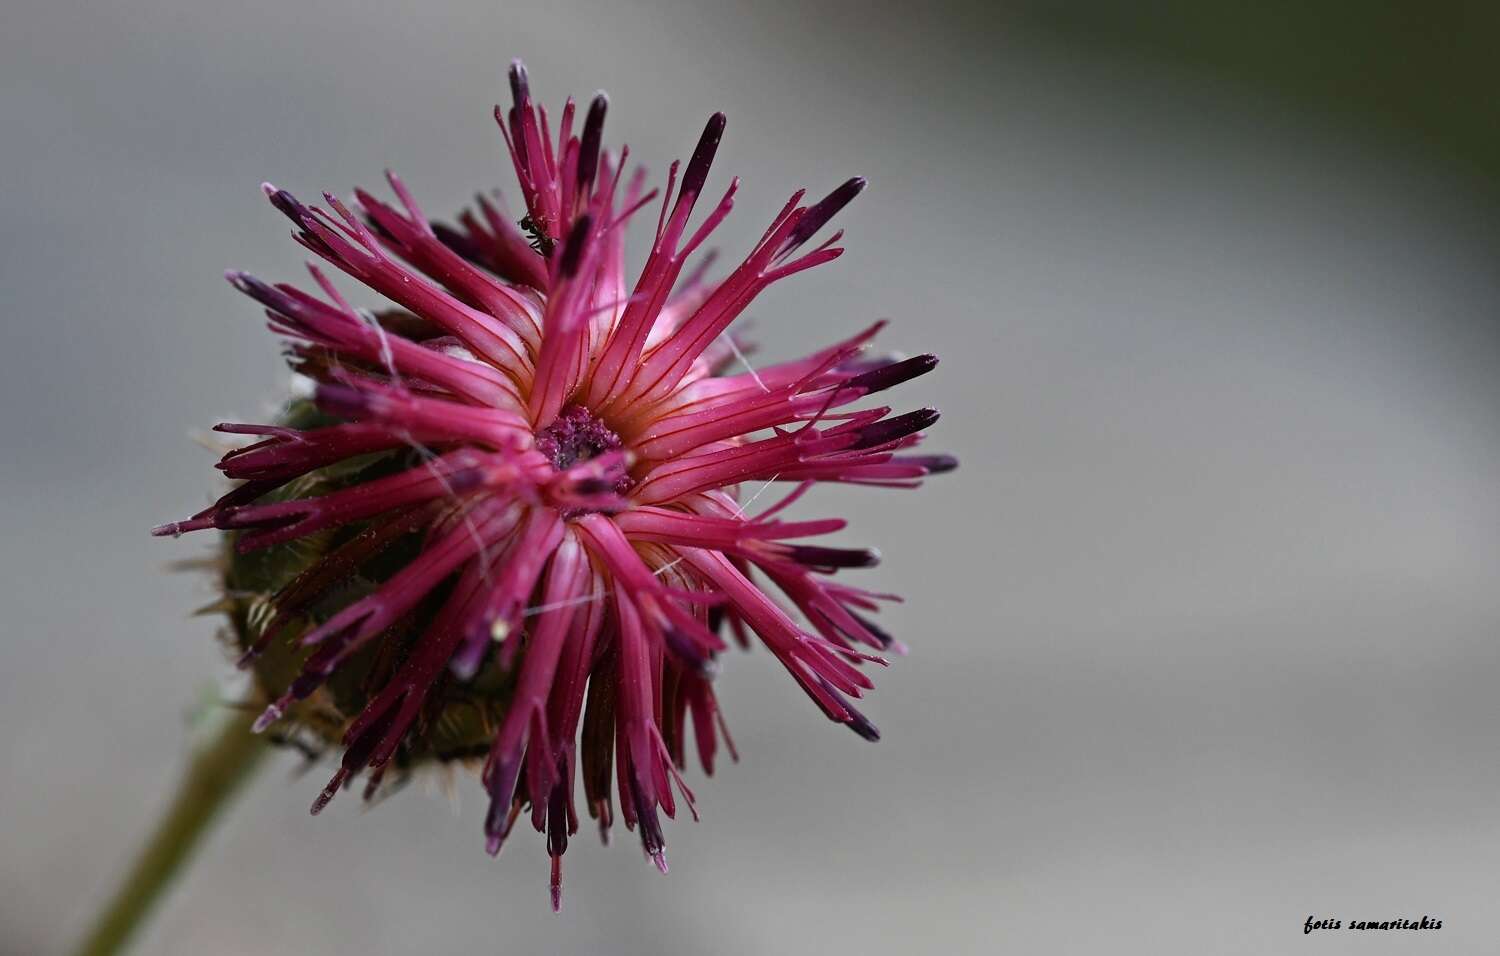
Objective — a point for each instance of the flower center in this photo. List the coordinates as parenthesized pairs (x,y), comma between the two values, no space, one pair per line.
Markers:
(576,436)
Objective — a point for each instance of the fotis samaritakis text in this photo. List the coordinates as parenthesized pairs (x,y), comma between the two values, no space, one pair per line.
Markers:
(1426,922)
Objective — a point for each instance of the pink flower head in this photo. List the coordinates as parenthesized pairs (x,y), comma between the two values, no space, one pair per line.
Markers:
(526,481)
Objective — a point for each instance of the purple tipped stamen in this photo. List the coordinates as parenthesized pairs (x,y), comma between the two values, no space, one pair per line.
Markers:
(572,253)
(897,373)
(934,464)
(818,215)
(820,557)
(520,84)
(703,156)
(593,133)
(894,429)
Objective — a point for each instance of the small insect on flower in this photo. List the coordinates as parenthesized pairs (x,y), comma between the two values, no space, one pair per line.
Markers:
(507,520)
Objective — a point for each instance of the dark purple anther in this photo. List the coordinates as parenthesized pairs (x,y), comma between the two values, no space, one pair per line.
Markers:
(573,251)
(330,790)
(861,725)
(520,85)
(362,747)
(588,150)
(689,651)
(460,242)
(856,721)
(647,821)
(305,684)
(889,376)
(935,464)
(703,156)
(287,205)
(593,486)
(894,429)
(258,290)
(501,780)
(517,133)
(881,635)
(820,557)
(825,209)
(557,811)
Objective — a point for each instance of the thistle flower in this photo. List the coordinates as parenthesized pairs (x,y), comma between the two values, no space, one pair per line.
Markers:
(506,519)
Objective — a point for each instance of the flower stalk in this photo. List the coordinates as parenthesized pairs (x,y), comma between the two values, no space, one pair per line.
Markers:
(219,769)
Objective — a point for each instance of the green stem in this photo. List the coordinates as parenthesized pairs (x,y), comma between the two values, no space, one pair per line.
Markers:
(218,769)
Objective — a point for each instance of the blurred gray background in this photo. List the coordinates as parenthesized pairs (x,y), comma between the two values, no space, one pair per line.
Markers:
(1204,631)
